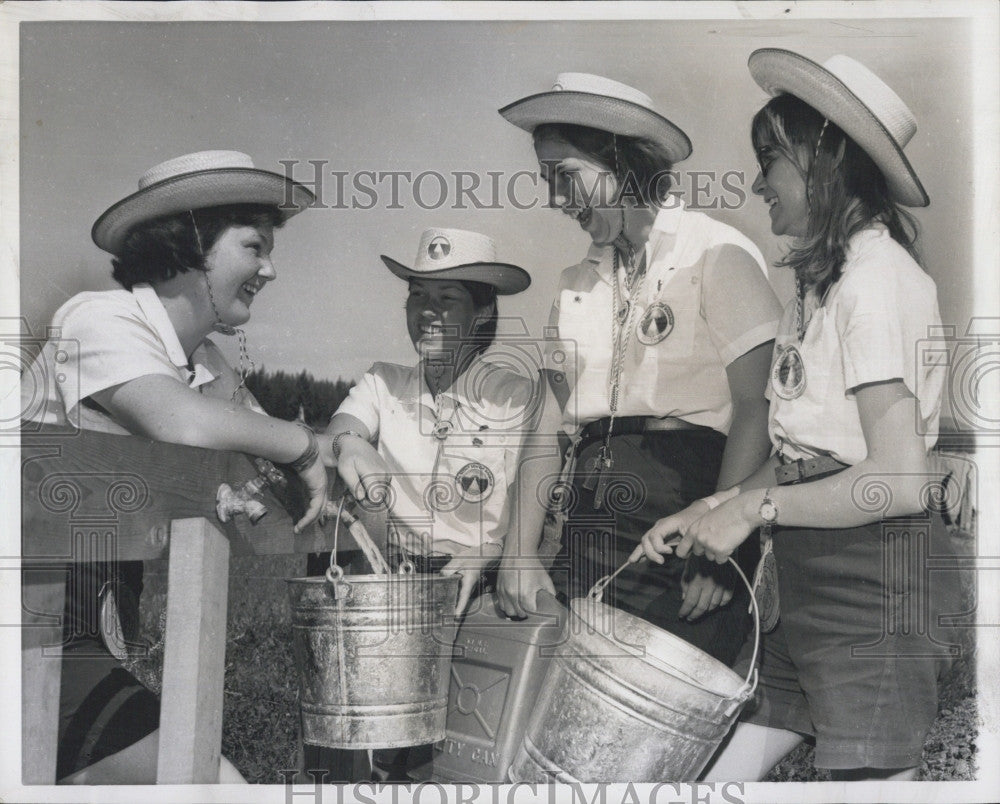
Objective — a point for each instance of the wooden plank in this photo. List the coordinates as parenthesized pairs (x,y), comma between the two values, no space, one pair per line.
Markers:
(194,654)
(43,594)
(137,486)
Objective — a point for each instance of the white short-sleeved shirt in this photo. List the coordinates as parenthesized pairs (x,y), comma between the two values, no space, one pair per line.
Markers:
(877,323)
(450,494)
(101,339)
(706,285)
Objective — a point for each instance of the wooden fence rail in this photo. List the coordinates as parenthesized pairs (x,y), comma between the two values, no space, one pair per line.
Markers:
(91,496)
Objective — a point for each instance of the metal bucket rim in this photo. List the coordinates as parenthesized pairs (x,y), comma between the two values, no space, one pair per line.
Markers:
(663,664)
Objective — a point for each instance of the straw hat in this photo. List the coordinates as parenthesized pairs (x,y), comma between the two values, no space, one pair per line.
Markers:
(195,181)
(460,254)
(852,96)
(583,99)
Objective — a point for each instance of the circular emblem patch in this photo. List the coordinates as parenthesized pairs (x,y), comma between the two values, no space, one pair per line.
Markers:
(656,324)
(788,374)
(475,482)
(439,248)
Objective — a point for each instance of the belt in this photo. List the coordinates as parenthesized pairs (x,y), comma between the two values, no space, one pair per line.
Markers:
(807,469)
(635,425)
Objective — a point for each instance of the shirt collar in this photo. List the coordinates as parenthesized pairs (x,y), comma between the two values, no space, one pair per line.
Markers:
(417,390)
(667,221)
(156,314)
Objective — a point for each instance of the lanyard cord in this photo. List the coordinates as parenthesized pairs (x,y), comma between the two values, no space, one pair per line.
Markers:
(622,321)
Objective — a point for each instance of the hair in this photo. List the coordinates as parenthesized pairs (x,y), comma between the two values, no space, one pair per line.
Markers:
(640,166)
(846,190)
(159,249)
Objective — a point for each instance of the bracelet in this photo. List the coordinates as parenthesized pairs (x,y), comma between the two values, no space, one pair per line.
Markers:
(712,501)
(340,435)
(309,454)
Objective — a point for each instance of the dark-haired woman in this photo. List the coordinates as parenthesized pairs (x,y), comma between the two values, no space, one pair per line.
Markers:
(192,250)
(438,445)
(666,331)
(856,648)
(442,440)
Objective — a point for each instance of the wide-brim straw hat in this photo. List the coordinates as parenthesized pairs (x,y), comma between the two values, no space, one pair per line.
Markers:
(582,99)
(461,255)
(862,104)
(195,181)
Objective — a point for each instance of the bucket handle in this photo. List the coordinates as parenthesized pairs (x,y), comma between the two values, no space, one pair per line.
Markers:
(361,536)
(750,682)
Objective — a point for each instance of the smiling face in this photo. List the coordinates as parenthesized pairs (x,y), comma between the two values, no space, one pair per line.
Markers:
(440,314)
(581,187)
(238,265)
(782,185)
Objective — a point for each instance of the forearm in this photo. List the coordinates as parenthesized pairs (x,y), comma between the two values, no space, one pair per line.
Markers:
(535,481)
(165,410)
(748,445)
(858,495)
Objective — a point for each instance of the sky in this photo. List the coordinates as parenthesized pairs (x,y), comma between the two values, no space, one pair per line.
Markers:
(101,102)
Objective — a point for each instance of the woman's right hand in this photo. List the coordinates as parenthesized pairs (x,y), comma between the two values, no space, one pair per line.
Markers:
(658,541)
(363,470)
(517,586)
(315,479)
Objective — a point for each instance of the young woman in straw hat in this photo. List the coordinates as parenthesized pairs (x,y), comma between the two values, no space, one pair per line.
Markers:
(438,444)
(192,250)
(854,411)
(665,329)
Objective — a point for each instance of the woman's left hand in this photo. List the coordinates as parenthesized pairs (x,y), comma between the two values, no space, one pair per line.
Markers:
(471,566)
(719,532)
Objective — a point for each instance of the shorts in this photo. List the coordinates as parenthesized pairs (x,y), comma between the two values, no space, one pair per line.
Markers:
(858,650)
(103,708)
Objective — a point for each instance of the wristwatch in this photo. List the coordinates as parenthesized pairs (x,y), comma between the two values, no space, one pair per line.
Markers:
(768,511)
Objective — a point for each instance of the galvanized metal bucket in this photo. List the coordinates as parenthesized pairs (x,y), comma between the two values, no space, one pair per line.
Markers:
(626,701)
(373,654)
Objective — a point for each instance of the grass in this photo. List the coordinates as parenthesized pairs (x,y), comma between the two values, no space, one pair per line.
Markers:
(260,711)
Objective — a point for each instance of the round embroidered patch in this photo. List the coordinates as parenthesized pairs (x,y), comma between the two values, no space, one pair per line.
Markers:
(788,374)
(439,248)
(475,482)
(656,324)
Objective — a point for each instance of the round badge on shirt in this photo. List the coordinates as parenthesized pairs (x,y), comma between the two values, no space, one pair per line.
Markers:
(788,374)
(656,324)
(475,482)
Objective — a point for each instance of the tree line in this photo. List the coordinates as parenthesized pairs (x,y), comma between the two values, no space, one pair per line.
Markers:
(297,396)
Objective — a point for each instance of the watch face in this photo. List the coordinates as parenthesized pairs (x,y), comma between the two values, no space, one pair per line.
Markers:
(768,511)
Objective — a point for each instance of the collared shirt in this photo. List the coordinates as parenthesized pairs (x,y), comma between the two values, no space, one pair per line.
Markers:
(877,323)
(448,493)
(101,339)
(709,301)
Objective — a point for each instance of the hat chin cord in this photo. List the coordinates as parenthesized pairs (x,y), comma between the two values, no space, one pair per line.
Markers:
(246,363)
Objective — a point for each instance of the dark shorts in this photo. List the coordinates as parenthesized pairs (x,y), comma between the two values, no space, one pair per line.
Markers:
(654,474)
(103,708)
(860,645)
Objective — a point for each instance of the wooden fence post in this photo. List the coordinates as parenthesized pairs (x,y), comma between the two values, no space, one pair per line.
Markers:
(43,593)
(195,654)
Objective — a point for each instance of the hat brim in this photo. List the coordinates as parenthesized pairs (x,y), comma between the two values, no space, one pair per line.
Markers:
(598,111)
(198,190)
(507,279)
(778,71)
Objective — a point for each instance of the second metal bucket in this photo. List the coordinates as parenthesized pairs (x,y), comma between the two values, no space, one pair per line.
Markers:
(626,701)
(374,654)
